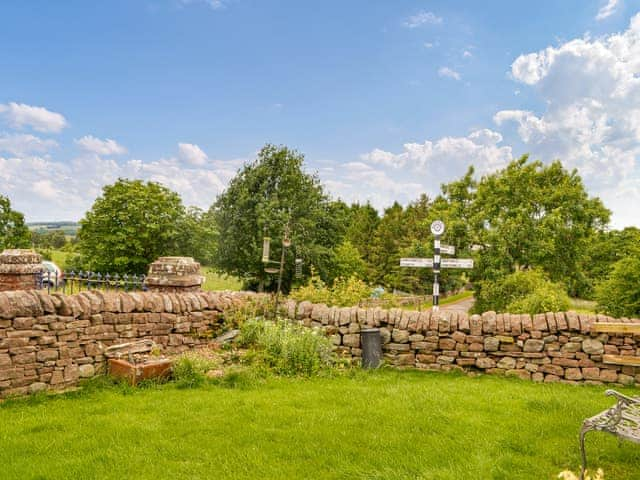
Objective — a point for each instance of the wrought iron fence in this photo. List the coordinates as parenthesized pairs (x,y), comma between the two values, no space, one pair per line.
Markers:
(74,282)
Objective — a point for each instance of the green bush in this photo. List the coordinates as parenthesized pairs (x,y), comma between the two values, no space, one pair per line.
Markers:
(546,298)
(619,294)
(287,348)
(525,291)
(345,292)
(189,371)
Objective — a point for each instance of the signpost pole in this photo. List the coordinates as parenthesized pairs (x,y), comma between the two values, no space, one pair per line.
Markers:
(437,228)
(436,273)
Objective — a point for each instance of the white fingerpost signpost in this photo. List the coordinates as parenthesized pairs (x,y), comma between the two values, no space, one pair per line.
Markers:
(436,263)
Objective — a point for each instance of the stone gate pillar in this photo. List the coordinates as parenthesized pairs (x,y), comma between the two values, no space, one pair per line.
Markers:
(20,270)
(174,274)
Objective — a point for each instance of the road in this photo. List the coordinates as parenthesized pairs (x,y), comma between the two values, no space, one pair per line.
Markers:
(461,306)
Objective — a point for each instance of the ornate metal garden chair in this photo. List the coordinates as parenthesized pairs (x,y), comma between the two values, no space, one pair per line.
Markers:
(621,420)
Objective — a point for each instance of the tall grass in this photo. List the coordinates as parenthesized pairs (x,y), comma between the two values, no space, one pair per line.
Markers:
(287,348)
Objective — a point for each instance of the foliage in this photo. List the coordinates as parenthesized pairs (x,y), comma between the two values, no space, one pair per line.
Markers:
(602,252)
(619,295)
(46,254)
(391,235)
(264,197)
(129,226)
(534,215)
(197,236)
(189,370)
(362,224)
(345,292)
(525,291)
(287,348)
(51,239)
(13,231)
(548,297)
(348,262)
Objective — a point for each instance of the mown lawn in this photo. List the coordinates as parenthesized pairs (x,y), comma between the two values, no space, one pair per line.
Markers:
(384,425)
(215,281)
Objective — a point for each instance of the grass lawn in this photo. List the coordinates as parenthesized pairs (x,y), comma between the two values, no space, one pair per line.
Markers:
(583,306)
(384,425)
(215,281)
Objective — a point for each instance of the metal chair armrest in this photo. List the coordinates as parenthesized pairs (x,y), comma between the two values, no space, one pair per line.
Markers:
(622,398)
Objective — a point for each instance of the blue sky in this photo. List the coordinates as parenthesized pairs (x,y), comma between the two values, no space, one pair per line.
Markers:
(386,99)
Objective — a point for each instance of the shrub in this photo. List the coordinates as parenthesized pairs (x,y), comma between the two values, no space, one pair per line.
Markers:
(619,294)
(546,298)
(189,371)
(525,291)
(345,292)
(287,348)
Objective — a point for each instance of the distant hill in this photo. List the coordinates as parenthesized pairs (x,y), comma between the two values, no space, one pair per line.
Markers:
(69,228)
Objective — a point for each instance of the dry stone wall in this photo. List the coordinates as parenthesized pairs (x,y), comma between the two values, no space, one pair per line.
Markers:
(547,347)
(51,341)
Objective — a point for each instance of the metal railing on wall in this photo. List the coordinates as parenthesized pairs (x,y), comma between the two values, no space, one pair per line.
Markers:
(74,282)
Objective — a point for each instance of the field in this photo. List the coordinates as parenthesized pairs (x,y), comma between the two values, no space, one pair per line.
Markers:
(216,281)
(381,425)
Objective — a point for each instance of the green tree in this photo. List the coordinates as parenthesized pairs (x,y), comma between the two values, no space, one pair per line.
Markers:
(534,215)
(48,239)
(129,226)
(390,237)
(197,236)
(363,221)
(603,250)
(619,294)
(13,231)
(523,291)
(348,262)
(266,195)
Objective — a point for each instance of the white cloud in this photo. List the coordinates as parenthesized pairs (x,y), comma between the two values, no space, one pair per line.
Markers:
(361,182)
(46,189)
(607,10)
(19,115)
(100,147)
(467,54)
(422,18)
(592,120)
(23,144)
(448,73)
(192,154)
(448,155)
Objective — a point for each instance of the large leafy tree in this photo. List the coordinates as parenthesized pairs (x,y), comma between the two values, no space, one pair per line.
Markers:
(534,215)
(265,196)
(13,231)
(390,237)
(603,250)
(619,294)
(129,226)
(197,236)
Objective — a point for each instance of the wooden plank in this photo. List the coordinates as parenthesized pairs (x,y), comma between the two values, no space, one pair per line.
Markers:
(616,327)
(621,360)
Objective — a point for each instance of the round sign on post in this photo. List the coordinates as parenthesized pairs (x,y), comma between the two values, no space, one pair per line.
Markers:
(437,227)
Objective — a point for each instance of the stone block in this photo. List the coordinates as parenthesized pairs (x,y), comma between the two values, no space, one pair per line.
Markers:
(485,363)
(573,374)
(400,336)
(592,346)
(533,345)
